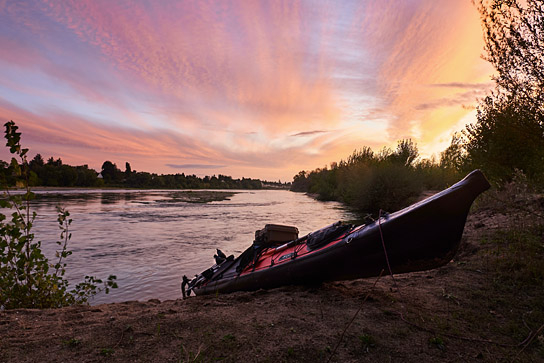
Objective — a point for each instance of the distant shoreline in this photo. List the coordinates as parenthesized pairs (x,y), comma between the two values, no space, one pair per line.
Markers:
(107,188)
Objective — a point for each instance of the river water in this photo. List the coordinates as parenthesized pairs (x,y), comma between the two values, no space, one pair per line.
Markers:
(149,239)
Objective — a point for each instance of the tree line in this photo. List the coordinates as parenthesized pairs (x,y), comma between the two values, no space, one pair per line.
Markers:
(506,139)
(54,173)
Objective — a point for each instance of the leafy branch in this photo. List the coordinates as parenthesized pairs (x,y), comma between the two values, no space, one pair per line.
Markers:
(25,277)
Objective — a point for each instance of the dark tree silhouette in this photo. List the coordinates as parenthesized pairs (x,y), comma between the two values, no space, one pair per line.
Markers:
(514,43)
(110,172)
(509,132)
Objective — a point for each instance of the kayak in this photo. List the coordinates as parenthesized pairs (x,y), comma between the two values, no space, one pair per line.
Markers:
(422,236)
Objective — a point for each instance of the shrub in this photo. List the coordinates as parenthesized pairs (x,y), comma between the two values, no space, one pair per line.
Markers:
(369,182)
(27,278)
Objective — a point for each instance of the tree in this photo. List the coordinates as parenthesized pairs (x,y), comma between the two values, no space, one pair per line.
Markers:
(110,172)
(509,131)
(514,43)
(406,153)
(86,177)
(506,137)
(68,176)
(453,157)
(300,182)
(37,162)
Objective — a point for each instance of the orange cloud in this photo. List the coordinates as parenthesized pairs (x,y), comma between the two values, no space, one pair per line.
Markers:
(440,46)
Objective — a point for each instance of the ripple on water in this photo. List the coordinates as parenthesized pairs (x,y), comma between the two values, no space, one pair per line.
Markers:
(149,242)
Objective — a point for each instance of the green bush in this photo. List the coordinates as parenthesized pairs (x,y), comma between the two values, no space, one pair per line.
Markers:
(389,187)
(27,278)
(369,181)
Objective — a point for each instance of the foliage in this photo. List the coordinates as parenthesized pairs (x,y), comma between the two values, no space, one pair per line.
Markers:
(514,43)
(453,157)
(518,255)
(110,173)
(506,137)
(509,131)
(55,173)
(27,278)
(368,181)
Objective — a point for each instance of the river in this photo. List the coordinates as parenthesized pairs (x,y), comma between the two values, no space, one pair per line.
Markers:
(149,239)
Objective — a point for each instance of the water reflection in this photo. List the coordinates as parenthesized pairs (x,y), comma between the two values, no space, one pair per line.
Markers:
(150,238)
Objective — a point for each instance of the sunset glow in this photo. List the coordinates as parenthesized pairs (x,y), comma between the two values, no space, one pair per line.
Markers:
(242,88)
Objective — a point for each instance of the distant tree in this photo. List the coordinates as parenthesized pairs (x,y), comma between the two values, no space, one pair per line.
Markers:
(142,180)
(110,172)
(54,162)
(37,162)
(6,173)
(36,166)
(300,182)
(68,176)
(364,156)
(86,177)
(128,169)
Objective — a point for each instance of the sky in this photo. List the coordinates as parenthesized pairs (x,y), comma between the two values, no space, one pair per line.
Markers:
(260,89)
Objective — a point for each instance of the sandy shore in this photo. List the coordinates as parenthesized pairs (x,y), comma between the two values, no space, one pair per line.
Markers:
(447,314)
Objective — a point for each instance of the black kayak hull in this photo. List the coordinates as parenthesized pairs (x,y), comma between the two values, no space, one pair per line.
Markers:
(423,236)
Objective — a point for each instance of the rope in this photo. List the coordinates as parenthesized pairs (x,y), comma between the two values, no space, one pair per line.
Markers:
(384,249)
(354,316)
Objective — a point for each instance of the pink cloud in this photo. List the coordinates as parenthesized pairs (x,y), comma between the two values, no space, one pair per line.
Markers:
(183,48)
(78,141)
(227,83)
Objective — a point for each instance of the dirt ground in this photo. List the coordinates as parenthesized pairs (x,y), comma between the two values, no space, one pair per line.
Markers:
(452,314)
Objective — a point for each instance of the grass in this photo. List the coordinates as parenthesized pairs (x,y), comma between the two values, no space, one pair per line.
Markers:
(367,342)
(106,352)
(72,343)
(437,342)
(190,356)
(517,256)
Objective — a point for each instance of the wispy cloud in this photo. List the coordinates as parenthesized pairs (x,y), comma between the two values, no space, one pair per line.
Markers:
(195,166)
(464,99)
(473,86)
(235,84)
(309,133)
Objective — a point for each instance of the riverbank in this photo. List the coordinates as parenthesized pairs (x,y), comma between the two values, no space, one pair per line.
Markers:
(486,305)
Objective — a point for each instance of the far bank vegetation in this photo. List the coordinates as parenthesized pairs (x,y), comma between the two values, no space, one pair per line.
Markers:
(55,173)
